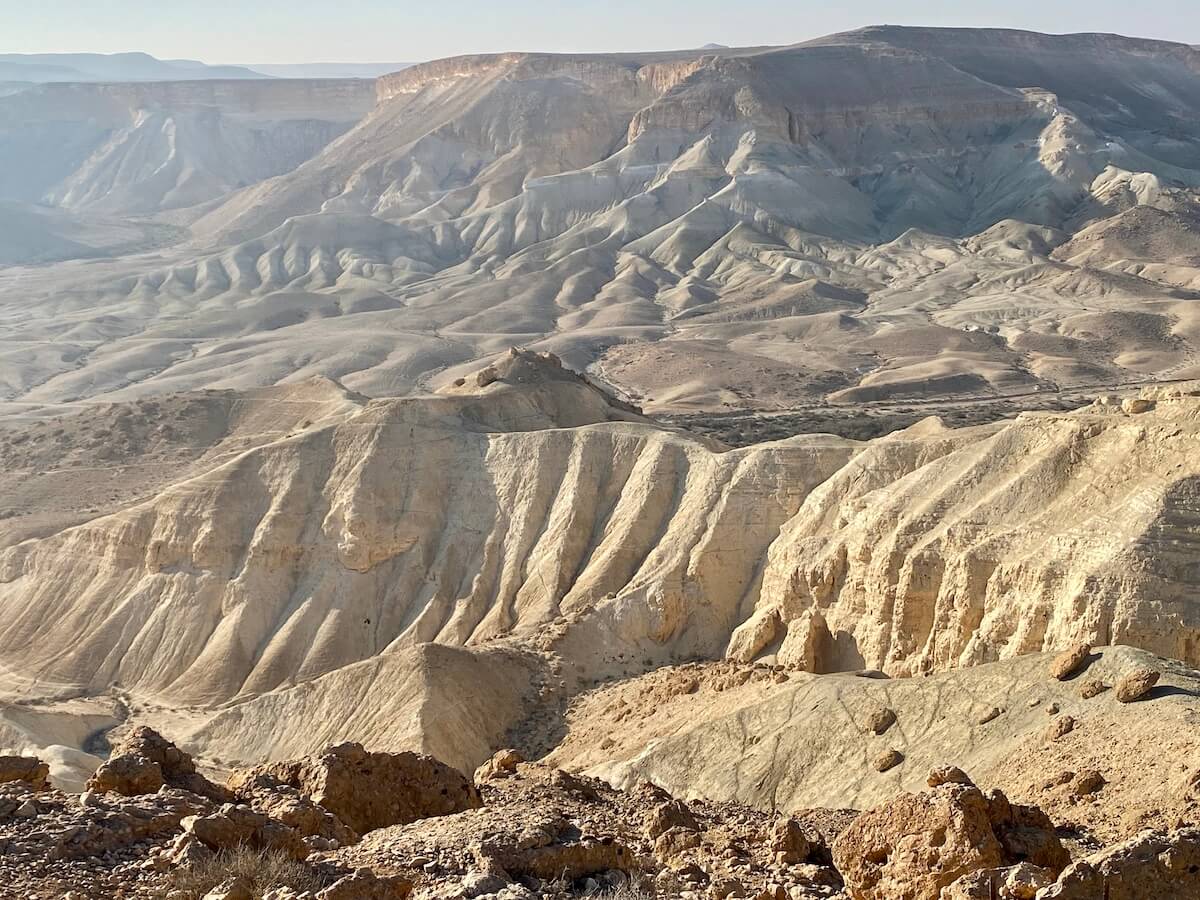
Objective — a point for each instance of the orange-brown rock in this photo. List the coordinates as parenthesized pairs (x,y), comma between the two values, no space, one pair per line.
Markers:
(1136,684)
(919,844)
(1070,661)
(1149,866)
(28,770)
(371,790)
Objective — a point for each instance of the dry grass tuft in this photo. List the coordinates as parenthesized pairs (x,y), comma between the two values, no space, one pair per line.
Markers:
(261,869)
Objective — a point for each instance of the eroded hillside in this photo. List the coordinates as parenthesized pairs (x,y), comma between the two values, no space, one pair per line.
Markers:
(888,214)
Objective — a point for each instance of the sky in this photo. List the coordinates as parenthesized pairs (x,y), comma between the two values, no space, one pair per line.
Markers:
(288,31)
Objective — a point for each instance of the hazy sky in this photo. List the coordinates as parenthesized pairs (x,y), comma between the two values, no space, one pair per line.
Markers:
(262,31)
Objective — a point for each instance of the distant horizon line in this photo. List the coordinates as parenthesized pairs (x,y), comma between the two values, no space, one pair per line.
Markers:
(570,52)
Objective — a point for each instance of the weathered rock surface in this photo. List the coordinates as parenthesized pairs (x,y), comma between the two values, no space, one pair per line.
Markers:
(1136,684)
(1149,866)
(1019,882)
(368,790)
(142,761)
(234,826)
(918,845)
(26,770)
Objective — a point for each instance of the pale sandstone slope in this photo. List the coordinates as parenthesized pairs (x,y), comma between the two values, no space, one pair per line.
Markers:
(732,733)
(934,548)
(452,519)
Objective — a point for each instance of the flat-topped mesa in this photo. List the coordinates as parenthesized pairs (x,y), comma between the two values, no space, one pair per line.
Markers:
(345,99)
(607,72)
(1000,41)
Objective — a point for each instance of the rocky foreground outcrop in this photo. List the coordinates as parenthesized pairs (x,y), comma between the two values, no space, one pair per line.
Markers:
(528,830)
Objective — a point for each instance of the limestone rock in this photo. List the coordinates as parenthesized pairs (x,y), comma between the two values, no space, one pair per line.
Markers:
(1136,684)
(1060,727)
(286,804)
(789,842)
(1025,833)
(1150,866)
(881,719)
(948,775)
(1093,687)
(501,764)
(989,716)
(28,770)
(143,760)
(129,775)
(917,844)
(236,826)
(238,888)
(888,760)
(1087,783)
(1019,882)
(672,814)
(366,885)
(371,790)
(1070,660)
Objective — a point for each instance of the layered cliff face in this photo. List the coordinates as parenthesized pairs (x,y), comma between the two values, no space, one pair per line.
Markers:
(870,217)
(938,549)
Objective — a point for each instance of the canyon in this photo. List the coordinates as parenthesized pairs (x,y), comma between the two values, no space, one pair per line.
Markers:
(752,425)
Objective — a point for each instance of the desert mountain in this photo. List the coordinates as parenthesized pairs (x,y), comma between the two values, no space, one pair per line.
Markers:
(76,67)
(327,70)
(874,216)
(147,148)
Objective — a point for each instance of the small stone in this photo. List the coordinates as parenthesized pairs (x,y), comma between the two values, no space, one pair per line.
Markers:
(1093,687)
(1070,661)
(881,719)
(888,760)
(1136,684)
(1053,709)
(1059,728)
(948,775)
(993,713)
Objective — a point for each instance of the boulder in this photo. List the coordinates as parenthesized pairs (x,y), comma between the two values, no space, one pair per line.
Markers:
(1136,684)
(130,768)
(917,845)
(371,790)
(128,776)
(27,770)
(502,764)
(789,842)
(1087,783)
(672,814)
(284,803)
(1070,661)
(1019,882)
(888,760)
(1149,866)
(237,826)
(1026,834)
